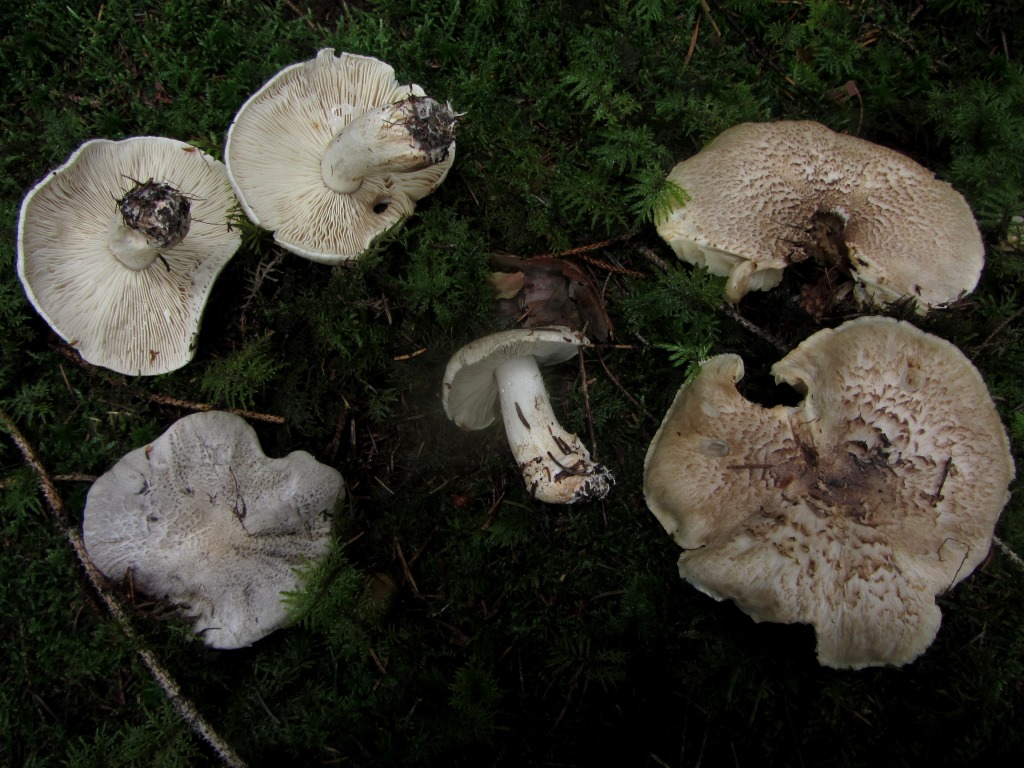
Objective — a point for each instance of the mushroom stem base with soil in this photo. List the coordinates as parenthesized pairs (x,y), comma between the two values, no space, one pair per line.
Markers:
(150,217)
(555,465)
(404,137)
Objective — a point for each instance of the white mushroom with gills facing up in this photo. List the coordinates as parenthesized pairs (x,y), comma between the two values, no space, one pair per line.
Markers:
(502,371)
(119,248)
(851,511)
(331,153)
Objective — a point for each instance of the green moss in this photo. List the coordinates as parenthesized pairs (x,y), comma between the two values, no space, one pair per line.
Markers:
(512,633)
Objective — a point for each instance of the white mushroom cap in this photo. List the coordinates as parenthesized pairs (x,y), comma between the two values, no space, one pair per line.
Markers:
(470,390)
(757,189)
(276,147)
(203,519)
(850,511)
(128,317)
(502,370)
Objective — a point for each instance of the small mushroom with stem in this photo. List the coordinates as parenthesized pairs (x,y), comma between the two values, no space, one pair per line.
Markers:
(119,248)
(331,153)
(502,371)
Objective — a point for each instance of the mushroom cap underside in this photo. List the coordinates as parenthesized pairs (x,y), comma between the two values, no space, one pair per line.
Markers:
(757,192)
(204,520)
(470,390)
(276,143)
(850,511)
(130,321)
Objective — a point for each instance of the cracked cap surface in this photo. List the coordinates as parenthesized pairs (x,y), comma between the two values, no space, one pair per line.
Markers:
(756,190)
(204,520)
(850,511)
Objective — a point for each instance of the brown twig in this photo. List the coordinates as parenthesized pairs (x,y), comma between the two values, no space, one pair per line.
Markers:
(1001,545)
(184,706)
(405,568)
(309,22)
(376,660)
(651,256)
(730,310)
(492,511)
(586,404)
(332,447)
(707,10)
(609,267)
(75,477)
(624,391)
(175,402)
(584,248)
(998,330)
(693,42)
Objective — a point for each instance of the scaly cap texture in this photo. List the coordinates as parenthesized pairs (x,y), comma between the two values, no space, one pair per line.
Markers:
(850,511)
(757,188)
(204,520)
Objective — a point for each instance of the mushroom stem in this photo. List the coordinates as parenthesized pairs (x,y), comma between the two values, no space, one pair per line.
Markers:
(404,137)
(129,246)
(151,217)
(555,465)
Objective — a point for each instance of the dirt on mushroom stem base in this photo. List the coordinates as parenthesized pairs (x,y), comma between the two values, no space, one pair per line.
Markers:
(822,246)
(432,126)
(846,480)
(158,211)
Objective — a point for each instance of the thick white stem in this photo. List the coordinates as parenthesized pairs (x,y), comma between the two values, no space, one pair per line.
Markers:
(374,143)
(129,246)
(555,465)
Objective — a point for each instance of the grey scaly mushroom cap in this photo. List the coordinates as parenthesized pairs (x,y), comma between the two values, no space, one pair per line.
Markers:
(80,263)
(277,144)
(850,511)
(203,519)
(757,190)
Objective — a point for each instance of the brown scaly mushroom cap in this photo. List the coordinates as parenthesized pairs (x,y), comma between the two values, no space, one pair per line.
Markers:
(332,152)
(203,519)
(118,250)
(766,195)
(850,511)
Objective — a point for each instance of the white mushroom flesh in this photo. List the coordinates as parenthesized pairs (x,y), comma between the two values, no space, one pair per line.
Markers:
(123,304)
(404,137)
(275,156)
(129,246)
(554,463)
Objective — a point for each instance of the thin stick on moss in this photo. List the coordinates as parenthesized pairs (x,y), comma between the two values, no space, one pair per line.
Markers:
(583,248)
(1001,545)
(181,703)
(624,391)
(586,403)
(730,311)
(192,406)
